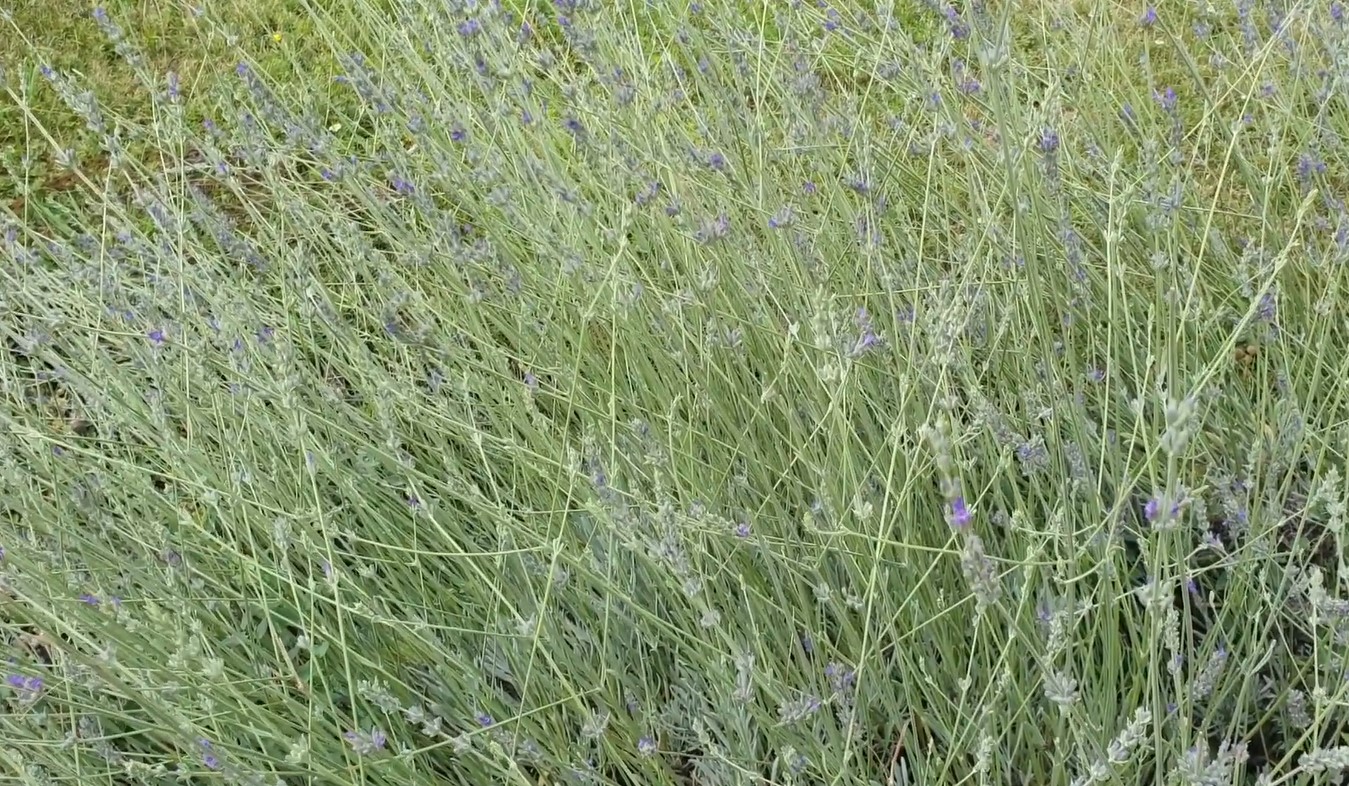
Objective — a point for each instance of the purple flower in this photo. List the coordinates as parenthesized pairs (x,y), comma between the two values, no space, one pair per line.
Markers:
(959,30)
(1049,141)
(1167,99)
(646,745)
(1308,165)
(742,530)
(366,743)
(27,688)
(469,27)
(1154,510)
(157,336)
(1268,308)
(717,161)
(484,720)
(531,382)
(89,600)
(959,516)
(1149,17)
(841,678)
(208,756)
(868,340)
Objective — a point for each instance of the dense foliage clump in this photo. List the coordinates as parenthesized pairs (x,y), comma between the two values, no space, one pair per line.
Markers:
(676,393)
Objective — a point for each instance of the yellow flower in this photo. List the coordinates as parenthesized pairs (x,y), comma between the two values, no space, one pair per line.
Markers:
(277,38)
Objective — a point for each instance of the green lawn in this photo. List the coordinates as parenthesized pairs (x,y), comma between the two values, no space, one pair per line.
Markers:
(673,393)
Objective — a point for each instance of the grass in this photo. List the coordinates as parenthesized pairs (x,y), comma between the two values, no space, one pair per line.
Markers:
(674,394)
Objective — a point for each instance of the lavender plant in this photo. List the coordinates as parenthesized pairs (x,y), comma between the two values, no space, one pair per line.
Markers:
(682,394)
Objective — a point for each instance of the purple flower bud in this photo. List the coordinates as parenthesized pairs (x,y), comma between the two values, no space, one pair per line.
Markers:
(1049,141)
(157,336)
(959,516)
(646,745)
(366,743)
(959,30)
(1149,17)
(1167,98)
(27,688)
(208,756)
